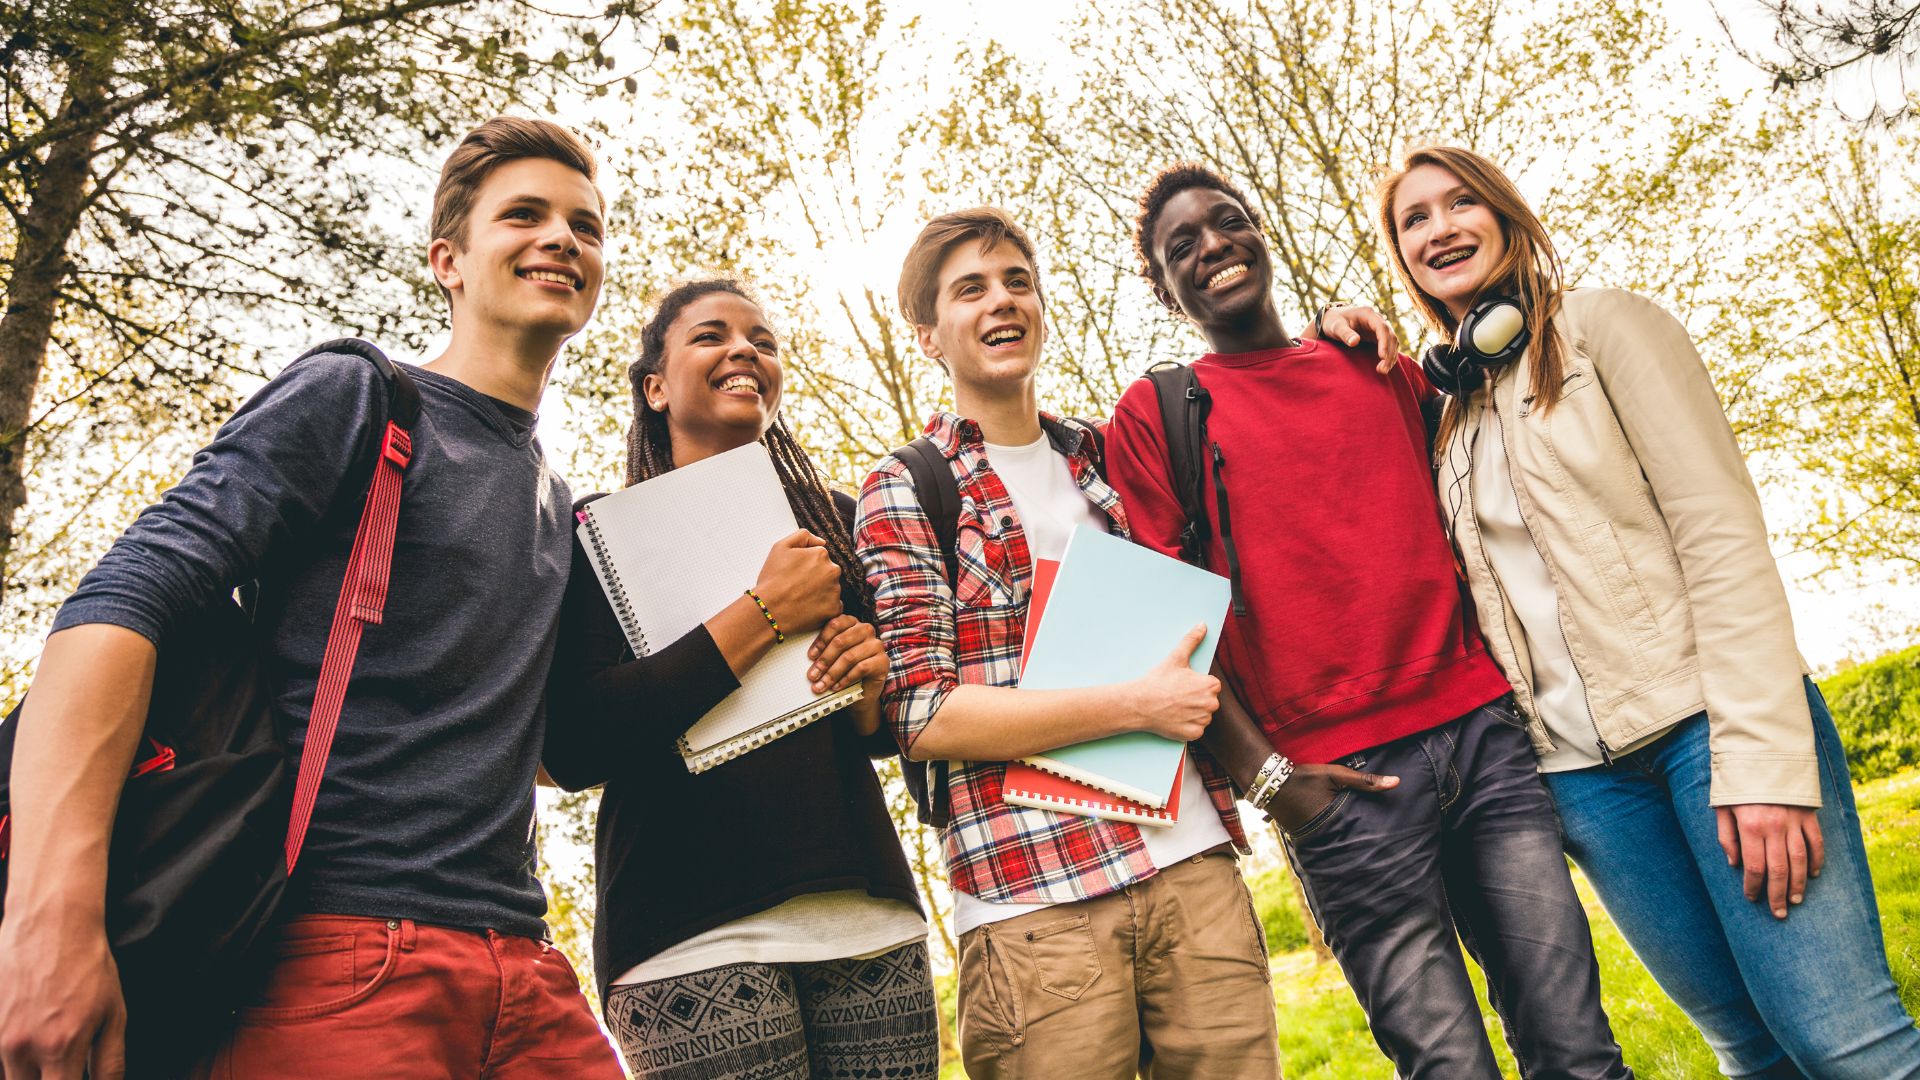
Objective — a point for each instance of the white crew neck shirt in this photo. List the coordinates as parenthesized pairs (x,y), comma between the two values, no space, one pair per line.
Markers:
(1049,505)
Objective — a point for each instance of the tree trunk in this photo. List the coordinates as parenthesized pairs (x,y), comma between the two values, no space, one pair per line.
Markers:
(40,265)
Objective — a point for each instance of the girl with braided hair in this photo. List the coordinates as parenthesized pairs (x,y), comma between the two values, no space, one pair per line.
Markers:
(757,919)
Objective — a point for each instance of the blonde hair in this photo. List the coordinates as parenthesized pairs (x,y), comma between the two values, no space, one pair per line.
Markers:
(1529,271)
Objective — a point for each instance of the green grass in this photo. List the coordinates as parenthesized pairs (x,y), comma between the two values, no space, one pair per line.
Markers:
(1323,1035)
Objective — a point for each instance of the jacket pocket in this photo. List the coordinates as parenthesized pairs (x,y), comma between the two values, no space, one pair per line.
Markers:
(1578,376)
(1629,601)
(1065,963)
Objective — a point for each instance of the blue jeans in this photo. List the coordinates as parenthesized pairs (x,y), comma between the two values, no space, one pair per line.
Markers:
(1810,996)
(1465,850)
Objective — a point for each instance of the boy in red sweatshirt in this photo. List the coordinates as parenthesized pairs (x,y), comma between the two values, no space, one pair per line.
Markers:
(1351,648)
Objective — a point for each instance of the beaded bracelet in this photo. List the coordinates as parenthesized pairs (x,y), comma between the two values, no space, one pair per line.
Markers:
(778,637)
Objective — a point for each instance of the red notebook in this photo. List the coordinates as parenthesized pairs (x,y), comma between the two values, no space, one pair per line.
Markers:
(1043,574)
(1028,786)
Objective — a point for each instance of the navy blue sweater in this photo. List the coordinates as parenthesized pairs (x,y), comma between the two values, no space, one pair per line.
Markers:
(426,811)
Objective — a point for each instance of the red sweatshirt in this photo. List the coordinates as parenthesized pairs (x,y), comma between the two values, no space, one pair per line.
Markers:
(1357,632)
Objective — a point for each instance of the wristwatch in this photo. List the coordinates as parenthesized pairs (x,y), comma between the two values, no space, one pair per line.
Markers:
(1319,326)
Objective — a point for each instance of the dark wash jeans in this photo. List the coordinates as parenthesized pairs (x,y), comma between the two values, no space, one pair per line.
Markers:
(1467,845)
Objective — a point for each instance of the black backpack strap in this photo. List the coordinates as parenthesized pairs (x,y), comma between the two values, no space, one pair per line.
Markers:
(939,496)
(1184,405)
(1226,528)
(403,412)
(1095,442)
(1193,461)
(403,398)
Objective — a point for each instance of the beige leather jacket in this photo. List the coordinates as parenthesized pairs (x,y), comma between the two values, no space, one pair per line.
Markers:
(1637,499)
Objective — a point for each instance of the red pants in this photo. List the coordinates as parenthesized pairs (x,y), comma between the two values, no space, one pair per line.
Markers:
(359,997)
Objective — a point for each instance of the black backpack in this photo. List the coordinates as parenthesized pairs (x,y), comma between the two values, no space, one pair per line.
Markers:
(1193,460)
(211,818)
(939,496)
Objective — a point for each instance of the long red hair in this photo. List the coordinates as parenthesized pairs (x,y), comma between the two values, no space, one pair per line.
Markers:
(1529,271)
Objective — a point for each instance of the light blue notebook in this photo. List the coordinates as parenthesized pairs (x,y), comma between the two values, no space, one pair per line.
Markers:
(1115,611)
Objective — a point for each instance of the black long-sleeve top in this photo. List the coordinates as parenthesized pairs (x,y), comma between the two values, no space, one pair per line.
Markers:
(679,854)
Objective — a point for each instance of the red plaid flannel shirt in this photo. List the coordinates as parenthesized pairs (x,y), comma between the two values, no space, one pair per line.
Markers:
(938,637)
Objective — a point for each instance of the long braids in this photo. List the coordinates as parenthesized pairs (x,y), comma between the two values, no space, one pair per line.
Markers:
(650,446)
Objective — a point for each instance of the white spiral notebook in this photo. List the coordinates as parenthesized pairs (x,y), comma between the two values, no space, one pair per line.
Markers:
(674,550)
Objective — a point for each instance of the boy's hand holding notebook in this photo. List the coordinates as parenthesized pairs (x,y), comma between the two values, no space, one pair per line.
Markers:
(1114,612)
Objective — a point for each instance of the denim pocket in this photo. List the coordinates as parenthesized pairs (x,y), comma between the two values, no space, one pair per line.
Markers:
(1064,960)
(1321,816)
(1507,711)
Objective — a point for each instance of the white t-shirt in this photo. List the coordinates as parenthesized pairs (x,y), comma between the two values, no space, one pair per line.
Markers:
(843,925)
(1521,574)
(1049,505)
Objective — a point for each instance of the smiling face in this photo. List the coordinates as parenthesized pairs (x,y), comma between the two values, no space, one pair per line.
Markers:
(531,259)
(1214,267)
(991,321)
(1451,241)
(719,379)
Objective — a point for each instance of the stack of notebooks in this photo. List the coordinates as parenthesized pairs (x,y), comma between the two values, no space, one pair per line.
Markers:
(1108,612)
(672,551)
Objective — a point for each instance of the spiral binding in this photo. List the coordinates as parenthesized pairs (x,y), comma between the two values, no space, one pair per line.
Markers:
(728,749)
(1051,769)
(622,608)
(1144,815)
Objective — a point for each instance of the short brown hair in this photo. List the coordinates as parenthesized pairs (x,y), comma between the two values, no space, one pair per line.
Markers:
(491,145)
(920,273)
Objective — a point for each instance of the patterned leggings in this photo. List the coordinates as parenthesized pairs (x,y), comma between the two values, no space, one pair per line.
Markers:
(829,1020)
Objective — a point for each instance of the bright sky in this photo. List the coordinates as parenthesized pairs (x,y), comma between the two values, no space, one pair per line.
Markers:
(1834,620)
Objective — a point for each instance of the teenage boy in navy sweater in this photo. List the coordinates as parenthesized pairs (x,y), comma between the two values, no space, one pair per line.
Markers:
(1356,652)
(415,943)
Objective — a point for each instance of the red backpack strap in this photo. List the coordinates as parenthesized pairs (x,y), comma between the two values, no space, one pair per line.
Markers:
(363,601)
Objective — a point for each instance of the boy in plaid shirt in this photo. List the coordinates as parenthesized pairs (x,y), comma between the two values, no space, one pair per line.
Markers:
(1089,948)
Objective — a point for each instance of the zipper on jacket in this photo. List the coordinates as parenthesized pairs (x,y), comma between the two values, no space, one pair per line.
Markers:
(1606,755)
(1498,593)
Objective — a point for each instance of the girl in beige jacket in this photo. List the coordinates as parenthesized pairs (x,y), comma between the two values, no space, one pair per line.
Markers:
(1614,546)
